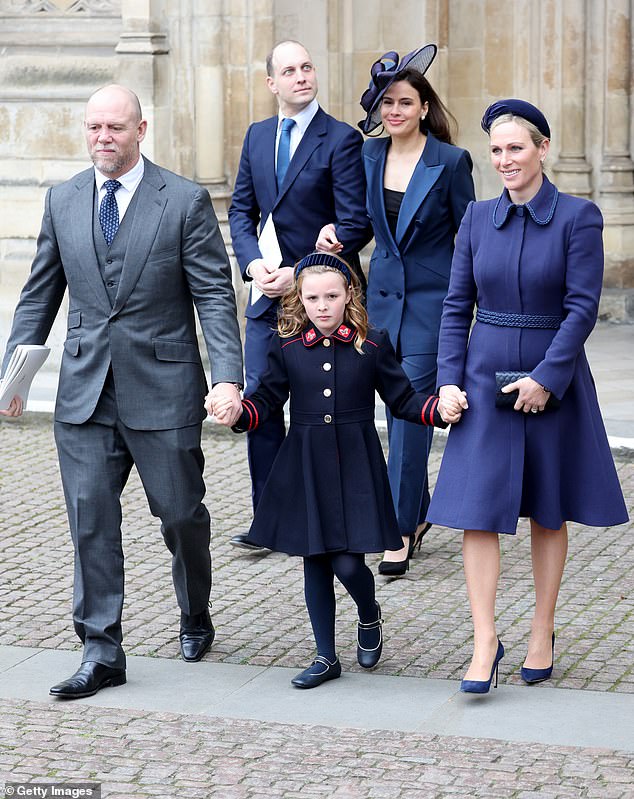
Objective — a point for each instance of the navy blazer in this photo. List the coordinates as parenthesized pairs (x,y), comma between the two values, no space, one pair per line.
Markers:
(409,273)
(324,183)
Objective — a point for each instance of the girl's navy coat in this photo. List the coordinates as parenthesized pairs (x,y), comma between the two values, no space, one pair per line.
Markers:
(544,258)
(328,489)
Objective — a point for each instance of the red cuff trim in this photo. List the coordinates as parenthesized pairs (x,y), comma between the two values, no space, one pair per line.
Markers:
(253,413)
(425,406)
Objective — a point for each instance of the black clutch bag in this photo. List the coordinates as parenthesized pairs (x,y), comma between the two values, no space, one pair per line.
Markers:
(508,400)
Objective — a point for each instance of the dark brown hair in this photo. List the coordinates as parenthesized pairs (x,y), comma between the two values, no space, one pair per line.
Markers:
(439,120)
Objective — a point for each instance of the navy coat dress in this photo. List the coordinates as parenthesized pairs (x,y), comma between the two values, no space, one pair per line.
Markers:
(328,489)
(543,258)
(408,281)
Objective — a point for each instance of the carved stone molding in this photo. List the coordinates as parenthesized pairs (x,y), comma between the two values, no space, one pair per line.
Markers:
(62,7)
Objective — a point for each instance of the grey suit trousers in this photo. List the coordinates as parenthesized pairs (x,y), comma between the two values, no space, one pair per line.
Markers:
(95,462)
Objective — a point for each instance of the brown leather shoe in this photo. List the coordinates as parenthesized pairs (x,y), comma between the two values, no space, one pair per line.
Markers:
(196,635)
(89,678)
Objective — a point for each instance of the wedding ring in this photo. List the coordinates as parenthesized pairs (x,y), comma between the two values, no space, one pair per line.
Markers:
(534,410)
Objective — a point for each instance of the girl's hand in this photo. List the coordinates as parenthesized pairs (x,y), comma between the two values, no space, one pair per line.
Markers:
(452,403)
(327,240)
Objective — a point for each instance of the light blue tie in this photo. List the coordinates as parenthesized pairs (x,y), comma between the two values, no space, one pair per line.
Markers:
(109,211)
(284,151)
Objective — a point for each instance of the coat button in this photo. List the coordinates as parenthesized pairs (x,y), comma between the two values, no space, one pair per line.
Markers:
(327,392)
(399,296)
(327,367)
(326,342)
(328,418)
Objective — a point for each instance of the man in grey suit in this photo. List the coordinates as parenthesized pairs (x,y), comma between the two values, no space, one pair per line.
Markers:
(138,247)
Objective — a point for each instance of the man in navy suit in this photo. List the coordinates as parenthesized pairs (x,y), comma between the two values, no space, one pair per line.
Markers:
(304,167)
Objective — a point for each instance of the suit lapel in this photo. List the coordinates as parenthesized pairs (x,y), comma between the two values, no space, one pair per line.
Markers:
(147,216)
(81,213)
(311,139)
(425,175)
(266,152)
(375,162)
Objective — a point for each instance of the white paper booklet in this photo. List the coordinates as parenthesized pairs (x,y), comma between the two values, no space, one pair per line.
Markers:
(22,368)
(271,253)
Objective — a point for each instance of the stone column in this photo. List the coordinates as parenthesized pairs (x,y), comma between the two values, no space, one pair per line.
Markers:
(616,182)
(617,169)
(572,170)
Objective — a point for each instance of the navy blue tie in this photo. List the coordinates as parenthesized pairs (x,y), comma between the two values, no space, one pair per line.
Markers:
(109,211)
(284,151)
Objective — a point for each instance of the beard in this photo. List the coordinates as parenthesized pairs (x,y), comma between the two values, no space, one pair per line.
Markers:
(114,164)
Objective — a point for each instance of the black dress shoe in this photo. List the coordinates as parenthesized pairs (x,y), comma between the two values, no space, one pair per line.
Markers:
(320,670)
(196,635)
(89,678)
(370,641)
(242,540)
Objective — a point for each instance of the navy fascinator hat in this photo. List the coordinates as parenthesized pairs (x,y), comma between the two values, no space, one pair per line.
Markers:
(519,108)
(383,73)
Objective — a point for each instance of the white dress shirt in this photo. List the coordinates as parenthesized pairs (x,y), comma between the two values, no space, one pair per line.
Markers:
(129,184)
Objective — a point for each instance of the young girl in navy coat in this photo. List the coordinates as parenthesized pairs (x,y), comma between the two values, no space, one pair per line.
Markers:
(328,498)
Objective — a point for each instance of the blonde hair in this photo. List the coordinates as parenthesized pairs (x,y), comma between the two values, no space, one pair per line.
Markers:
(292,316)
(537,137)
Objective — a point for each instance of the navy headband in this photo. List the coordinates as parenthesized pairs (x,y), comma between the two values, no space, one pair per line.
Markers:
(519,108)
(323,259)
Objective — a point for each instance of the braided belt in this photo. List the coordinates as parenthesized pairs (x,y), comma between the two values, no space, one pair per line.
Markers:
(518,319)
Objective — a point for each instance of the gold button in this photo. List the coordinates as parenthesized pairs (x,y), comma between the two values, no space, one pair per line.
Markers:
(328,418)
(327,367)
(327,392)
(326,342)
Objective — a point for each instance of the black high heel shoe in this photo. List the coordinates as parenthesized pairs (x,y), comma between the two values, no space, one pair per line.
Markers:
(531,676)
(394,568)
(416,540)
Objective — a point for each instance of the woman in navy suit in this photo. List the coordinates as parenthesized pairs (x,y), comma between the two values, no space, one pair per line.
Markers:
(418,188)
(532,262)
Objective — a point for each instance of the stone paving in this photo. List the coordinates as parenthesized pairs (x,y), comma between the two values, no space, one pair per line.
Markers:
(261,620)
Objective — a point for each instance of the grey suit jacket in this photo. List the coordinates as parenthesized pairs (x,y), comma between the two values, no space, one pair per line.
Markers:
(175,260)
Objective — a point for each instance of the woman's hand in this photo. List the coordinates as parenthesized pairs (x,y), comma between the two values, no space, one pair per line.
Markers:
(452,403)
(327,240)
(532,397)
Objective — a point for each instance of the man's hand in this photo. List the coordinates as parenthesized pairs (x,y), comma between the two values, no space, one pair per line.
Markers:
(223,402)
(15,409)
(273,283)
(327,240)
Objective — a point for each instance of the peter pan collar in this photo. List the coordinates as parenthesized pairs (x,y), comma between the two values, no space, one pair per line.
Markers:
(541,208)
(312,335)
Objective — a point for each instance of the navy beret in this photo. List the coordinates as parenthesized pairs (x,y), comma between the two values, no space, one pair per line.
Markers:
(519,108)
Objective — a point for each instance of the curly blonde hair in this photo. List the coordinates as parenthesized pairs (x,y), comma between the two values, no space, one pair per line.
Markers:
(292,316)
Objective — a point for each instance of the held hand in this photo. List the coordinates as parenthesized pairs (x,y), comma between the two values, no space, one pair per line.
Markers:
(531,398)
(452,403)
(16,408)
(276,283)
(223,401)
(327,240)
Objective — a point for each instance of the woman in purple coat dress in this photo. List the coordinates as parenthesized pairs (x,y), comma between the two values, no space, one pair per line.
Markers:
(531,261)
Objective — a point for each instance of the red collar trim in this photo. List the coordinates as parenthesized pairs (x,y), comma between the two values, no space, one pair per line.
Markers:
(312,336)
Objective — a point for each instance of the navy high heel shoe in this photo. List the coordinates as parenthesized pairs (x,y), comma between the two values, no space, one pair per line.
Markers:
(482,686)
(531,676)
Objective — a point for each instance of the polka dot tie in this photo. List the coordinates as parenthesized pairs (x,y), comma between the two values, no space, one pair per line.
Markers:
(109,211)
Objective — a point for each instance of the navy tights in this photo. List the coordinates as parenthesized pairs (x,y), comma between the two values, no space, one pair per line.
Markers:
(319,590)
